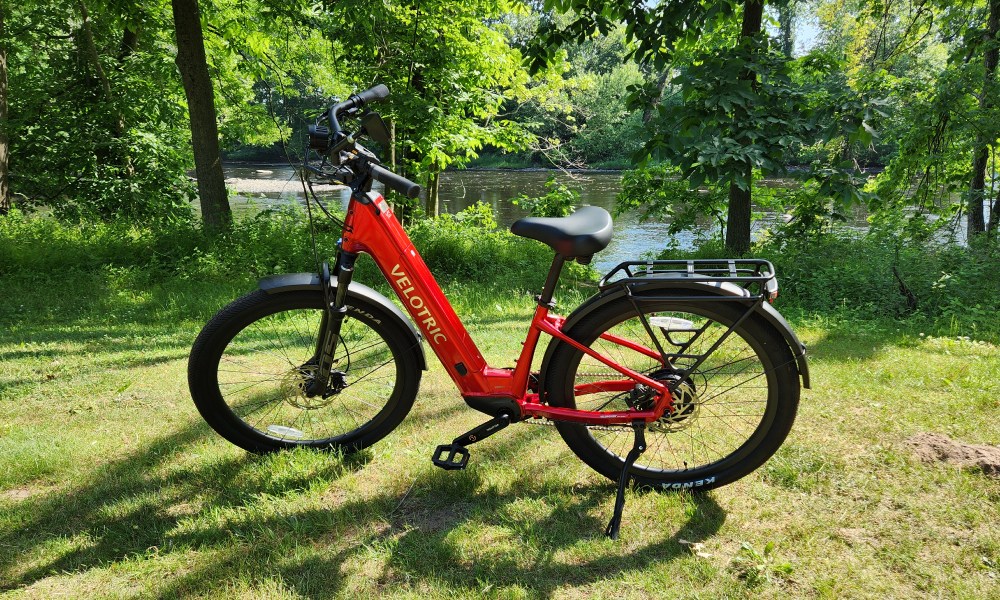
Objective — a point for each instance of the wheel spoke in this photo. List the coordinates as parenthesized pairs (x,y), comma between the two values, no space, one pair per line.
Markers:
(718,420)
(262,371)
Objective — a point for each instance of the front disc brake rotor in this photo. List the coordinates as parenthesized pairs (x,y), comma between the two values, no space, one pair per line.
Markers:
(294,384)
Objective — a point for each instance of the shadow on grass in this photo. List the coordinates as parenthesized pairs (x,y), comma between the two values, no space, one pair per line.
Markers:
(528,548)
(161,500)
(101,324)
(861,341)
(137,504)
(147,504)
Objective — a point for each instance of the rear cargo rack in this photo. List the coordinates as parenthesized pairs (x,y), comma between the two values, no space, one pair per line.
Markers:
(754,275)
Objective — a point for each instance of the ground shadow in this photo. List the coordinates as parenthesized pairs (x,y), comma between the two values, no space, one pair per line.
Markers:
(135,506)
(841,345)
(131,505)
(144,503)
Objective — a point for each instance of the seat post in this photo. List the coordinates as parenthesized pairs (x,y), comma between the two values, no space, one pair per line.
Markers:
(545,299)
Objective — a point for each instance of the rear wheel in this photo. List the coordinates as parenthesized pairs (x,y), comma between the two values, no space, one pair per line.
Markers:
(251,364)
(730,414)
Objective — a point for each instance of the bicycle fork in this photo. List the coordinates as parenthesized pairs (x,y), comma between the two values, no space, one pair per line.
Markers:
(333,320)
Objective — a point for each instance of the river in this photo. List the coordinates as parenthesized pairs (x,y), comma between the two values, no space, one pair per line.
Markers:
(262,186)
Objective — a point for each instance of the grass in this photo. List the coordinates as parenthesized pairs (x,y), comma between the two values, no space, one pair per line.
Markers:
(112,486)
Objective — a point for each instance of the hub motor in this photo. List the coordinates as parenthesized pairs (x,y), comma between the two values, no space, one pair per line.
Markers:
(685,404)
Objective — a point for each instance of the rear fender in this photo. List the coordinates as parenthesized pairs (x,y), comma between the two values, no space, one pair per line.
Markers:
(679,287)
(289,282)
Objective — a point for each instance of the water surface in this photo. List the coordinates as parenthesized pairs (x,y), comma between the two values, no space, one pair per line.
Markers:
(460,189)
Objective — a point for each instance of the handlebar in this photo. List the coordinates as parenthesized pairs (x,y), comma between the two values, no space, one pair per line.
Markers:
(356,102)
(379,92)
(320,139)
(395,182)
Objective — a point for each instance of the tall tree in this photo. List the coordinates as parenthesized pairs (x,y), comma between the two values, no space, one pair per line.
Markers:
(450,70)
(984,144)
(935,62)
(739,213)
(739,113)
(4,160)
(193,67)
(786,25)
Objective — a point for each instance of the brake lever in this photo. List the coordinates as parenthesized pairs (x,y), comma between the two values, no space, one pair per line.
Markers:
(368,154)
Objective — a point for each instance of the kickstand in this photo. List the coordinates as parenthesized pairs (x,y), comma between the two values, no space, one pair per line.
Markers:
(638,447)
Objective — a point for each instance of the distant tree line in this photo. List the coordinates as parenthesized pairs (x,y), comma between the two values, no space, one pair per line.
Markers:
(105,106)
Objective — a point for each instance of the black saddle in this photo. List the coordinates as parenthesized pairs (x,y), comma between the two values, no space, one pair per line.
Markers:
(580,235)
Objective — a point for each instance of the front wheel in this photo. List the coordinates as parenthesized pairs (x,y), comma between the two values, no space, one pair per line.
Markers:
(251,364)
(730,414)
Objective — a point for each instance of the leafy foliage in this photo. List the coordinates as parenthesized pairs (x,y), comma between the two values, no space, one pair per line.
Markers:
(557,201)
(467,246)
(95,131)
(955,291)
(659,192)
(449,70)
(578,107)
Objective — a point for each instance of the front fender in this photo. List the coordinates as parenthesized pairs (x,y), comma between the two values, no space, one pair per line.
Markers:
(286,282)
(678,286)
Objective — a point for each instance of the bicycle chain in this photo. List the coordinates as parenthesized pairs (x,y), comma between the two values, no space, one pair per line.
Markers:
(551,423)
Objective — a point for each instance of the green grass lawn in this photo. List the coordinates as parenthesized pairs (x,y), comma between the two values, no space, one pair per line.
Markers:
(112,486)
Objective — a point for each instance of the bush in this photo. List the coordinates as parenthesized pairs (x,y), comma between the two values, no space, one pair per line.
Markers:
(470,246)
(954,290)
(40,244)
(557,201)
(463,247)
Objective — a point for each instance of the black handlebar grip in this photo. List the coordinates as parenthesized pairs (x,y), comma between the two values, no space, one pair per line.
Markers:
(376,93)
(396,182)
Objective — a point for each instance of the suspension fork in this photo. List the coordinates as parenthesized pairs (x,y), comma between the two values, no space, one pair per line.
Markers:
(333,319)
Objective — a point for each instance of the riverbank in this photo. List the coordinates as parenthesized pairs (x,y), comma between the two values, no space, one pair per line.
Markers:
(282,178)
(258,178)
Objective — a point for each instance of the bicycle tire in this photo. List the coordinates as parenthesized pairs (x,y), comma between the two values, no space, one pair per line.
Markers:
(699,446)
(248,365)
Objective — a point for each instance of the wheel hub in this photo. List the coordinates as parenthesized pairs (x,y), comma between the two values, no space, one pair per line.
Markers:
(685,407)
(295,383)
(685,410)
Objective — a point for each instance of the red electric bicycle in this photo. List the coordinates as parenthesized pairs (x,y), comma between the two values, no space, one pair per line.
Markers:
(676,375)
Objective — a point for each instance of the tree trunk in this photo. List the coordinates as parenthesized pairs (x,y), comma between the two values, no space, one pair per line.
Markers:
(991,227)
(738,214)
(738,218)
(753,18)
(650,109)
(392,146)
(4,159)
(981,152)
(102,76)
(130,43)
(786,24)
(433,205)
(193,67)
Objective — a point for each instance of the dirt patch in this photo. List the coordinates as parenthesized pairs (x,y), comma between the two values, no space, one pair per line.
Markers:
(18,493)
(856,537)
(935,447)
(436,519)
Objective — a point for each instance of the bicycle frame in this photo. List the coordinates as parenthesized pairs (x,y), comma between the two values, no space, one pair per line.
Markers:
(371,227)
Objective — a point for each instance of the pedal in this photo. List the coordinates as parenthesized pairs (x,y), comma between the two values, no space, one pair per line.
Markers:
(455,456)
(451,457)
